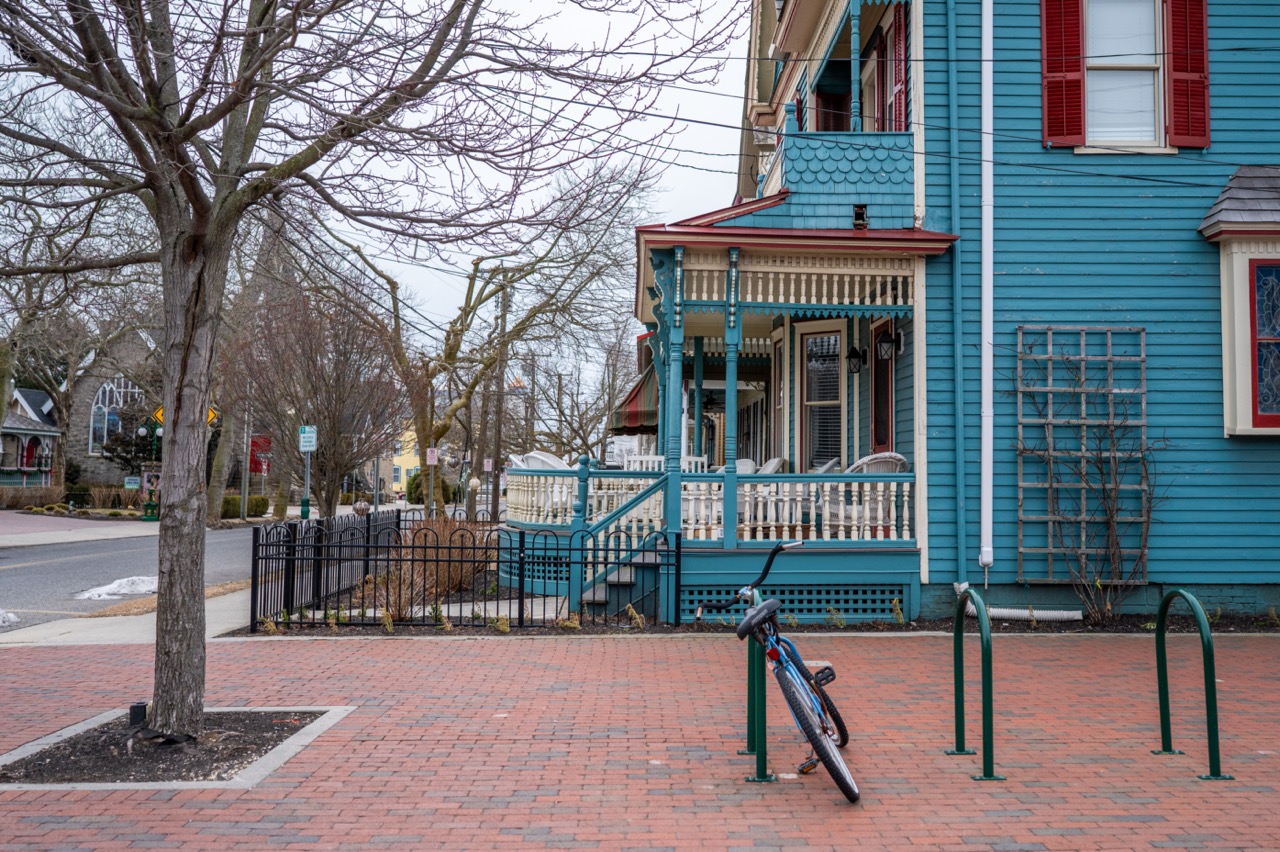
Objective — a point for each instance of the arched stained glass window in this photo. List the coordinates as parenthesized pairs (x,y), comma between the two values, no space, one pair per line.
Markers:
(104,420)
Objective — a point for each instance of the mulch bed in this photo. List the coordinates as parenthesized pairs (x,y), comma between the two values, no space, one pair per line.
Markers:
(117,752)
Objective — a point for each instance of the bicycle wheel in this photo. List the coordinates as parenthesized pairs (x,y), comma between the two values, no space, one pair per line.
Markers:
(816,727)
(842,733)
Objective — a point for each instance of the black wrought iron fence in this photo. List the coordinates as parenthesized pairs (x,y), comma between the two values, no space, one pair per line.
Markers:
(439,571)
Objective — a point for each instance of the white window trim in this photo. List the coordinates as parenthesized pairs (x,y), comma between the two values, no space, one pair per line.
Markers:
(818,327)
(1237,320)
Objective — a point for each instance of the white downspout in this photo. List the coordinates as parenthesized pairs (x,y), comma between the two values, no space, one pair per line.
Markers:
(986,555)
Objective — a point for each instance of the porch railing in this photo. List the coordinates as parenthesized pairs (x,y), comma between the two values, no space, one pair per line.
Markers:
(834,507)
(814,507)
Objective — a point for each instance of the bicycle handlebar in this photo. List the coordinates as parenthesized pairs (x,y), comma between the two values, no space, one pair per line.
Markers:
(773,554)
(759,581)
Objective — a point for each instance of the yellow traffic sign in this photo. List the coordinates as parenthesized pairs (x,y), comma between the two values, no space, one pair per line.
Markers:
(158,415)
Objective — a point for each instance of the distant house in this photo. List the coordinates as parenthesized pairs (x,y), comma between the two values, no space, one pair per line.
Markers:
(28,437)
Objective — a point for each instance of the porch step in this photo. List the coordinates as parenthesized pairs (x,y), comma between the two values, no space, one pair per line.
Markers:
(623,576)
(649,557)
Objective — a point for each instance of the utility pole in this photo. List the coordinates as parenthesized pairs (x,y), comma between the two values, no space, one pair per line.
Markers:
(501,383)
(244,463)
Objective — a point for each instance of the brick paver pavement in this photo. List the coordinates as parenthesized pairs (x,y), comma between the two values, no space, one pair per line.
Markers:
(630,742)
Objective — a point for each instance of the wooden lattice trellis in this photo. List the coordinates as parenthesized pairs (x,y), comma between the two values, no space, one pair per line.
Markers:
(1084,473)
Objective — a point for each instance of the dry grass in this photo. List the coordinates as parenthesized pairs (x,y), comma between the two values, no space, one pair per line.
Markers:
(142,606)
(440,556)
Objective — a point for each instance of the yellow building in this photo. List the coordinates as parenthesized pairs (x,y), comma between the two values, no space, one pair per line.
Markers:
(404,461)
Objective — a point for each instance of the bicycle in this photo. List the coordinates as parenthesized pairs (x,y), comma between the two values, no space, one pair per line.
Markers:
(811,707)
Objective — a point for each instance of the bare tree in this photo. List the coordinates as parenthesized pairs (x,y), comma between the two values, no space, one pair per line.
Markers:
(566,287)
(441,121)
(314,358)
(572,404)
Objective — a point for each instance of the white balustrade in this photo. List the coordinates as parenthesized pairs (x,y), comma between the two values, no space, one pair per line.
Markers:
(787,507)
(770,508)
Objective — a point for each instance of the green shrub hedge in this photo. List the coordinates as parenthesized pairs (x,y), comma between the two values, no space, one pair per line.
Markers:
(258,506)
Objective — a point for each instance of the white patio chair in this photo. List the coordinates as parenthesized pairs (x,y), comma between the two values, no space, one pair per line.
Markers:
(743,466)
(693,464)
(655,464)
(828,466)
(878,507)
(515,460)
(541,460)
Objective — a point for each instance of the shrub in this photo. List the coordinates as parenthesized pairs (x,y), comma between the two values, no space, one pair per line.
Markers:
(115,513)
(231,506)
(413,491)
(259,505)
(11,497)
(37,510)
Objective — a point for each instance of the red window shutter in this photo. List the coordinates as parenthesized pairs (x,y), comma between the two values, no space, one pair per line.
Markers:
(1062,71)
(900,67)
(1187,72)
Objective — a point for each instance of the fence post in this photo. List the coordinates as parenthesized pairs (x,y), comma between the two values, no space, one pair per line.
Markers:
(1210,682)
(317,562)
(578,539)
(253,579)
(364,561)
(290,567)
(674,595)
(520,566)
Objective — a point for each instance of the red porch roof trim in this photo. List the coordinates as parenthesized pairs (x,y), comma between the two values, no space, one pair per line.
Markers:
(897,241)
(1218,231)
(733,212)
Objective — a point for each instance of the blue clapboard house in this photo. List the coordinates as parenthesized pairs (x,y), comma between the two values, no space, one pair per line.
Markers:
(998,303)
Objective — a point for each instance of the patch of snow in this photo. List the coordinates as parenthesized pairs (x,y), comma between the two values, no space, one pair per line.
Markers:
(120,588)
(8,618)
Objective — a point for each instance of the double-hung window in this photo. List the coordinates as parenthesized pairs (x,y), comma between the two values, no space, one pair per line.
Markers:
(1125,72)
(821,419)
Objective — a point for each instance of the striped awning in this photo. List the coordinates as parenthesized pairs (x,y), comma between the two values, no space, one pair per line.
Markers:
(637,414)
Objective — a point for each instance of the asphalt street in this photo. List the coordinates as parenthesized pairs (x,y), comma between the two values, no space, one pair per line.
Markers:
(39,583)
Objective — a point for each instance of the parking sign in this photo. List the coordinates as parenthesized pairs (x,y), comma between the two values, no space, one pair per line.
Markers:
(307,439)
(433,456)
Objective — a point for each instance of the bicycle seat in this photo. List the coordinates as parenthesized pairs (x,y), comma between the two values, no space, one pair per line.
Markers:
(756,616)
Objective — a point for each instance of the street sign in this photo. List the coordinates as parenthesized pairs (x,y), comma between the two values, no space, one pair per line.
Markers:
(133,483)
(433,456)
(488,465)
(307,439)
(158,415)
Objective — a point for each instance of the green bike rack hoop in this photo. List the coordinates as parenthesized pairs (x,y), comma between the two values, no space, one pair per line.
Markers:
(756,714)
(988,725)
(1210,682)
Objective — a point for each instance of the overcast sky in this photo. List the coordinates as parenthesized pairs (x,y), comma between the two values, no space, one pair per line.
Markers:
(701,176)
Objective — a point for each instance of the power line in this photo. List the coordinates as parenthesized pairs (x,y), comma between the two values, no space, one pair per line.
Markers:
(851,143)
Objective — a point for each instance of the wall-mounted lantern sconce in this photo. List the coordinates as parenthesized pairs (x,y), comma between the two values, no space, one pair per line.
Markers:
(885,345)
(861,218)
(856,358)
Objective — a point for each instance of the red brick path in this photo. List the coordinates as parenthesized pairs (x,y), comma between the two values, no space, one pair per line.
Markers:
(616,743)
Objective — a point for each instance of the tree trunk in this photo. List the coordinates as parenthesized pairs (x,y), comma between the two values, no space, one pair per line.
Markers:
(232,423)
(194,269)
(281,485)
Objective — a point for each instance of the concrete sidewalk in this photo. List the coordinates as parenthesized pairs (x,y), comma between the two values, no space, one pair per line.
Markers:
(223,614)
(632,743)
